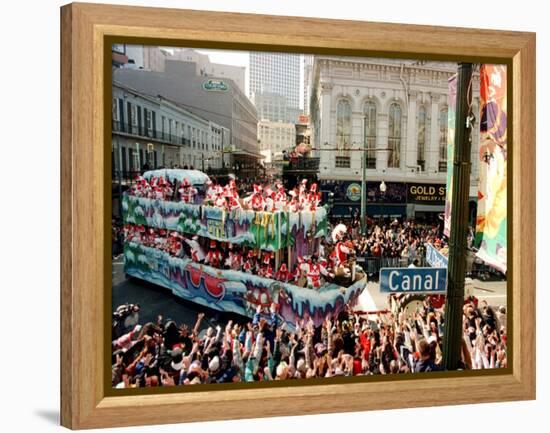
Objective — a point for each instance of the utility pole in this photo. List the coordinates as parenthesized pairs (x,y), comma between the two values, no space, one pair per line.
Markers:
(364,179)
(452,341)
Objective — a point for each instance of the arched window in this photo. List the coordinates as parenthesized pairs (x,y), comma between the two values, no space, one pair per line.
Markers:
(343,133)
(421,148)
(443,128)
(394,136)
(369,112)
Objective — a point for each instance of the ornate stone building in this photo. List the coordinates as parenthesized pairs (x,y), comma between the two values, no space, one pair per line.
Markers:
(397,109)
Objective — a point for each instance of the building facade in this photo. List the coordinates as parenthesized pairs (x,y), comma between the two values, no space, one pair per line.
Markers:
(206,68)
(276,137)
(395,109)
(218,100)
(152,132)
(275,73)
(308,67)
(153,58)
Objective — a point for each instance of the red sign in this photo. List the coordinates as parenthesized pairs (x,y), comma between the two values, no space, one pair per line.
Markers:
(303,119)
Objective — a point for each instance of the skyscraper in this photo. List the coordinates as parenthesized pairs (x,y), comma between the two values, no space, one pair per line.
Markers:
(277,73)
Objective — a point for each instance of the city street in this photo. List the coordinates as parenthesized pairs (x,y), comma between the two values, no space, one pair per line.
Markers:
(223,192)
(494,292)
(155,300)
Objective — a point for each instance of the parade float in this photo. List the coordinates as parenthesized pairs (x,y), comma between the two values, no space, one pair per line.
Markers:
(285,236)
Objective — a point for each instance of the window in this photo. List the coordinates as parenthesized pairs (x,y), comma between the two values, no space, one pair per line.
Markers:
(343,127)
(394,136)
(115,109)
(133,115)
(369,111)
(443,125)
(421,147)
(148,122)
(342,162)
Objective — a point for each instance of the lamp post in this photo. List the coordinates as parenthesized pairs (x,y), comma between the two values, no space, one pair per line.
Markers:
(364,179)
(452,341)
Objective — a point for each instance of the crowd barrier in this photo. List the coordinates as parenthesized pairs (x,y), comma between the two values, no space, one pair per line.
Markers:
(372,266)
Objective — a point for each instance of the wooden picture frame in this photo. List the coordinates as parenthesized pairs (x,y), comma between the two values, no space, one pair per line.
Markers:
(87,30)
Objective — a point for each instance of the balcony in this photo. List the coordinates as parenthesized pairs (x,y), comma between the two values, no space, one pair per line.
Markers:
(301,167)
(149,134)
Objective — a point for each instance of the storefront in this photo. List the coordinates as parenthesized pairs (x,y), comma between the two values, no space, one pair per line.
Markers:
(425,201)
(395,200)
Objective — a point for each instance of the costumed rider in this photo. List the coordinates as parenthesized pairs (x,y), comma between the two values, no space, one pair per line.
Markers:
(211,193)
(187,191)
(269,199)
(234,259)
(139,188)
(232,196)
(256,200)
(214,256)
(281,199)
(314,197)
(197,251)
(339,257)
(283,274)
(313,273)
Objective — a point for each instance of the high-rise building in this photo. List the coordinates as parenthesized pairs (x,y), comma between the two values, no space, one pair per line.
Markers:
(308,70)
(276,73)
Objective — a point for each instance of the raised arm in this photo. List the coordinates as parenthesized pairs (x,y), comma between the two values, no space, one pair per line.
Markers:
(197,326)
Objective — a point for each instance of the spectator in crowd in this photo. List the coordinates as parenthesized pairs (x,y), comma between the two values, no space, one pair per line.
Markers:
(264,349)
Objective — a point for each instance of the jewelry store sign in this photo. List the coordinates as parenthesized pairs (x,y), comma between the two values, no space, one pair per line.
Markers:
(426,193)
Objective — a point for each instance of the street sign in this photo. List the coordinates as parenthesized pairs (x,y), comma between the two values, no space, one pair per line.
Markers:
(434,258)
(413,280)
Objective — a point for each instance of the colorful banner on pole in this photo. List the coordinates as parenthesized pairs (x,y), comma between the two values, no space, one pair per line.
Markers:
(491,220)
(451,117)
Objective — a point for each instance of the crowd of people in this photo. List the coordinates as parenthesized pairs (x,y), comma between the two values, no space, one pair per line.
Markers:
(263,198)
(398,238)
(264,349)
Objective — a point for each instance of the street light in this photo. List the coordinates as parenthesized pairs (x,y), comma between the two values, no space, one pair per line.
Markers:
(364,179)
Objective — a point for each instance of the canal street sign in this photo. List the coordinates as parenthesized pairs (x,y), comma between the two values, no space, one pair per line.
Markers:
(413,280)
(434,258)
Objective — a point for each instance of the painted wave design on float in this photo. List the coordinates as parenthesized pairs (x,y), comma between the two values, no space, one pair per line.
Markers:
(235,291)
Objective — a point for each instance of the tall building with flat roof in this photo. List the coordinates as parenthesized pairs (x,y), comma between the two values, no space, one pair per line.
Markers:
(217,100)
(276,73)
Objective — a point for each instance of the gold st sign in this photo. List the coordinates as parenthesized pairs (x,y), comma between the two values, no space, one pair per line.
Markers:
(425,193)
